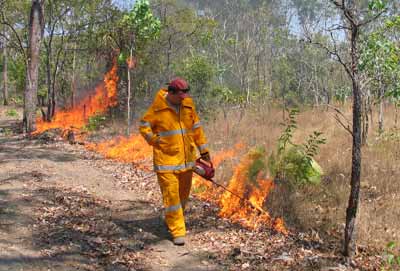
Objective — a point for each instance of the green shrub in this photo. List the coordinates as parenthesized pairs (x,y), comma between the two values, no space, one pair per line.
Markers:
(11,113)
(95,122)
(294,166)
(295,162)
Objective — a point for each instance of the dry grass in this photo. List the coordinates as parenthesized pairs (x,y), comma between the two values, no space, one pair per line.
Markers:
(323,207)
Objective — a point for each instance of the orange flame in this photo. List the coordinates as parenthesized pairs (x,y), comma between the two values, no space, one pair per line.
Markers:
(104,97)
(249,214)
(129,150)
(204,189)
(136,150)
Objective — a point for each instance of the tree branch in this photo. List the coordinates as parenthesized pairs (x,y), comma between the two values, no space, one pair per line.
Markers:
(367,21)
(332,53)
(339,58)
(347,128)
(336,27)
(21,48)
(336,3)
(337,118)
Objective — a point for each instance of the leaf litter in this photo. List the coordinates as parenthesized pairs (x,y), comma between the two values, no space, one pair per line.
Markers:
(76,219)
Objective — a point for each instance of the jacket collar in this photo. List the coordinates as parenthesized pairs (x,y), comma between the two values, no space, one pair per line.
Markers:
(161,103)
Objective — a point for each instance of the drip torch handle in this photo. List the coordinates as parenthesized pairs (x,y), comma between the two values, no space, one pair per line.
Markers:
(204,162)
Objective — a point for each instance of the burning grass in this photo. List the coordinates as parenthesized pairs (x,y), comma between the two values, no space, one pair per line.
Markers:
(128,150)
(320,206)
(244,204)
(99,101)
(255,191)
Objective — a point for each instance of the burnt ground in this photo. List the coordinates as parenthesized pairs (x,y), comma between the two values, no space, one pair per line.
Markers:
(65,208)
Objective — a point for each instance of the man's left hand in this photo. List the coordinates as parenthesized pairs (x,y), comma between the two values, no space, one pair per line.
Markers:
(206,156)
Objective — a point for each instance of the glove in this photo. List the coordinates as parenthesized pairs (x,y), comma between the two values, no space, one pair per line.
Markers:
(206,156)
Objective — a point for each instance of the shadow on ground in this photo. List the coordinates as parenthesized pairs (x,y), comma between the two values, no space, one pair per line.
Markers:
(72,228)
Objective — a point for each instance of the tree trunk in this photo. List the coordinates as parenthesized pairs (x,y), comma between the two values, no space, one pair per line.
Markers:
(365,119)
(5,75)
(129,95)
(57,64)
(380,118)
(49,89)
(352,208)
(73,83)
(169,52)
(35,36)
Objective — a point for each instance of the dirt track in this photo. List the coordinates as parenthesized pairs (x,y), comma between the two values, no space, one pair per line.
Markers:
(47,194)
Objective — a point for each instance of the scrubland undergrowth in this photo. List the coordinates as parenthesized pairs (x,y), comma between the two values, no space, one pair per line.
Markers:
(323,207)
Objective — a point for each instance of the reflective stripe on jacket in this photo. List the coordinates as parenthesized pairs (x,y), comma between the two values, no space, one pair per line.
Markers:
(174,133)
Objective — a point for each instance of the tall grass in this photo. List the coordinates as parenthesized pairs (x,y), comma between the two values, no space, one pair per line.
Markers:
(323,207)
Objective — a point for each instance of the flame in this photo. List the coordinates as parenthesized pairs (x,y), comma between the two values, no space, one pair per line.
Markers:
(129,150)
(205,189)
(103,97)
(249,213)
(136,150)
(279,226)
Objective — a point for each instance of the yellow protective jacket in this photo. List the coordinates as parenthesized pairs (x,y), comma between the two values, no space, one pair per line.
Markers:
(174,133)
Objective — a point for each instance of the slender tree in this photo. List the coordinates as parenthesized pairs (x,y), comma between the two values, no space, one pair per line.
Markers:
(36,26)
(353,23)
(141,27)
(5,70)
(56,11)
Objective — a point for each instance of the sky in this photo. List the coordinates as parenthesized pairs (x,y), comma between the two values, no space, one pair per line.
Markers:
(125,4)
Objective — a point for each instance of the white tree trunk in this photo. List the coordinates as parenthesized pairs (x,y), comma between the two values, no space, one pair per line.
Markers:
(5,75)
(129,95)
(73,80)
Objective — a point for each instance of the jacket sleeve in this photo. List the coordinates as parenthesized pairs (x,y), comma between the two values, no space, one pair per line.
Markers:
(146,127)
(199,136)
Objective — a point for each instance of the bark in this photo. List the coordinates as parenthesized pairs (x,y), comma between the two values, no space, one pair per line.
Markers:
(52,110)
(129,96)
(169,52)
(380,117)
(49,49)
(35,36)
(5,75)
(365,119)
(352,208)
(73,82)
(50,90)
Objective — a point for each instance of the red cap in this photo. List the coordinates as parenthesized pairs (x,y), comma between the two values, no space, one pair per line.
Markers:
(179,84)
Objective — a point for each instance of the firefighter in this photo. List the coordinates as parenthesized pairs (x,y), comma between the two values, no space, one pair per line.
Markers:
(172,126)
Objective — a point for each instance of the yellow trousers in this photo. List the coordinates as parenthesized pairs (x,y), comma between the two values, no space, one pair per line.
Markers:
(175,189)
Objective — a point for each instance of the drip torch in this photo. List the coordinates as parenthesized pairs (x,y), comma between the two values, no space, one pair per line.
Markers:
(206,170)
